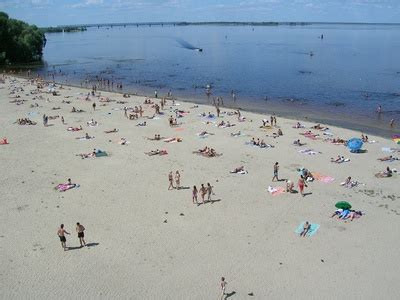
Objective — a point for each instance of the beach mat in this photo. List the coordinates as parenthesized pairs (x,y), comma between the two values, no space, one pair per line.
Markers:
(322,178)
(313,229)
(275,191)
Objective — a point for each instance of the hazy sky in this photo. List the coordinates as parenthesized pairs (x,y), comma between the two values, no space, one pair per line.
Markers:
(61,12)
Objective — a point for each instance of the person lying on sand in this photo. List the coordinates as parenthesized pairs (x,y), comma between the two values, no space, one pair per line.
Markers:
(142,124)
(349,183)
(319,127)
(123,141)
(111,131)
(157,137)
(277,134)
(387,173)
(207,152)
(388,158)
(298,125)
(236,134)
(340,159)
(4,141)
(298,143)
(74,128)
(238,170)
(92,123)
(87,155)
(25,121)
(56,108)
(87,137)
(156,152)
(306,229)
(205,133)
(74,110)
(173,139)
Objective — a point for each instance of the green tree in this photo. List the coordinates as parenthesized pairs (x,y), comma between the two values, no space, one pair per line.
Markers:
(19,41)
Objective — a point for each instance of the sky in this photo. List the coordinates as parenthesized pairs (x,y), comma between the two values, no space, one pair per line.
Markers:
(70,12)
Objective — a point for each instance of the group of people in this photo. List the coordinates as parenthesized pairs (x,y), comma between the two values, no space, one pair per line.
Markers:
(25,121)
(203,191)
(80,230)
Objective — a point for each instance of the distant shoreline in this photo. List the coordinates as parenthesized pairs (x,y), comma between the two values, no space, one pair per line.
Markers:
(227,23)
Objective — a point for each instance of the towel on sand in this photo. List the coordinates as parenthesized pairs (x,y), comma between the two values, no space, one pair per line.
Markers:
(62,187)
(322,178)
(313,229)
(275,191)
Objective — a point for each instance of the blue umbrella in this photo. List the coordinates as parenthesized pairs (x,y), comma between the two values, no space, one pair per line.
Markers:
(354,144)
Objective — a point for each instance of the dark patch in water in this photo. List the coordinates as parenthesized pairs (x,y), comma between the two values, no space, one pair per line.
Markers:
(305,72)
(336,103)
(172,75)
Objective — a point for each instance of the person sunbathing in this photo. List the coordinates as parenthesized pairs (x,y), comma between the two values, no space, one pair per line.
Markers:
(74,110)
(298,125)
(157,152)
(142,124)
(236,134)
(238,169)
(204,133)
(306,229)
(4,141)
(204,150)
(87,155)
(318,126)
(349,183)
(388,158)
(75,128)
(123,141)
(56,108)
(91,123)
(169,140)
(338,160)
(111,131)
(298,143)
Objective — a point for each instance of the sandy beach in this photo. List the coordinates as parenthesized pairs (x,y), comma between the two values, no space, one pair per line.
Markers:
(148,242)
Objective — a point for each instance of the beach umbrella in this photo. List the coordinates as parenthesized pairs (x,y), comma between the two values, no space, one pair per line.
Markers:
(343,205)
(354,144)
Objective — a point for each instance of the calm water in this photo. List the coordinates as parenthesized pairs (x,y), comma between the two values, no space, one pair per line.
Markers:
(354,68)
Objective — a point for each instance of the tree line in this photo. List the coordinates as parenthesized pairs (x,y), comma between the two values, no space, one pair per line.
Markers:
(19,41)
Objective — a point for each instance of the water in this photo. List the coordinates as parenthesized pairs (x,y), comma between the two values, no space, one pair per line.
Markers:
(354,68)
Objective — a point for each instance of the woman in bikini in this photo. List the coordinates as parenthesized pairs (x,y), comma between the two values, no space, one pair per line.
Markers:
(194,194)
(178,180)
(203,192)
(301,183)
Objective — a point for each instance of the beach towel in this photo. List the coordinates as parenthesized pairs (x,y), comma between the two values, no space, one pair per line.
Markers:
(101,153)
(308,151)
(62,187)
(390,150)
(322,178)
(313,229)
(179,129)
(4,141)
(275,191)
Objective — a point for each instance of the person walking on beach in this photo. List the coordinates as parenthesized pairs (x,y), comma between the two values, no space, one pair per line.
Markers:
(209,191)
(301,183)
(223,287)
(194,195)
(276,168)
(171,181)
(94,105)
(81,235)
(203,192)
(61,234)
(155,94)
(62,120)
(391,123)
(177,180)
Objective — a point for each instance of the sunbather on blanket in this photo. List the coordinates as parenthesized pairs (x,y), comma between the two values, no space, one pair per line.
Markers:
(349,183)
(298,143)
(156,152)
(91,123)
(87,137)
(173,139)
(111,131)
(388,158)
(340,159)
(236,134)
(62,187)
(74,128)
(387,173)
(238,169)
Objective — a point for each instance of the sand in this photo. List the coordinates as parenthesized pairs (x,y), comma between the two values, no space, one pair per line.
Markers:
(146,242)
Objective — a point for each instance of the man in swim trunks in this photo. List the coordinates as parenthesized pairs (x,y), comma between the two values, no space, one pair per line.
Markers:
(81,235)
(276,168)
(61,234)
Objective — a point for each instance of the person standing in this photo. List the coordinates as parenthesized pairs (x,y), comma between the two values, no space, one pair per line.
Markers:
(81,235)
(94,105)
(209,191)
(177,180)
(276,168)
(155,94)
(194,195)
(61,234)
(301,183)
(223,287)
(203,192)
(171,181)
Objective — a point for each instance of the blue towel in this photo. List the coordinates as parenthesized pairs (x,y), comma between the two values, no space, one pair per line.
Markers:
(314,228)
